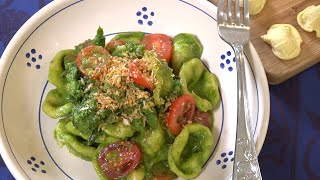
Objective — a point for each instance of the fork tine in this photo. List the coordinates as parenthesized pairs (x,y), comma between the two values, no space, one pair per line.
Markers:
(246,15)
(221,15)
(229,12)
(237,12)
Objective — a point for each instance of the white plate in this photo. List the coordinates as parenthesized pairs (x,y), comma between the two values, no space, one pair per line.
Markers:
(27,144)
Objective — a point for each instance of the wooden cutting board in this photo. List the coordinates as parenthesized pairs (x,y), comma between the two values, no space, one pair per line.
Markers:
(283,12)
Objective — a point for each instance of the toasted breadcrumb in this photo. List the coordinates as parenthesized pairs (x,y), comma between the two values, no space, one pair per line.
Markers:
(116,76)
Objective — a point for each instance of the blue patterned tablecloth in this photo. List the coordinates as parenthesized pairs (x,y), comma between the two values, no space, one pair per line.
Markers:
(293,140)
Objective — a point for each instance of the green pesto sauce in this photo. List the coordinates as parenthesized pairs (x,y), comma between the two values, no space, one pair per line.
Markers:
(88,128)
(192,146)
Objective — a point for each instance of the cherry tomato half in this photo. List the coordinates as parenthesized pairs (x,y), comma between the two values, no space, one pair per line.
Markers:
(112,45)
(160,43)
(138,78)
(119,159)
(181,112)
(202,118)
(91,59)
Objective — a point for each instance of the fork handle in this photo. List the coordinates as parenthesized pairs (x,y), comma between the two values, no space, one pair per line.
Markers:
(246,164)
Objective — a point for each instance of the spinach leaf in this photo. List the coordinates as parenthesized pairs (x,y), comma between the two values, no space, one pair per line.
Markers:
(99,39)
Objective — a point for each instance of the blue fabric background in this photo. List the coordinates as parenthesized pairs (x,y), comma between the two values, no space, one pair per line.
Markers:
(293,140)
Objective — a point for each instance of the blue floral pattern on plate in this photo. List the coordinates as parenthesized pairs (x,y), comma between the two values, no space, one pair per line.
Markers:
(36,166)
(34,57)
(228,61)
(224,159)
(145,16)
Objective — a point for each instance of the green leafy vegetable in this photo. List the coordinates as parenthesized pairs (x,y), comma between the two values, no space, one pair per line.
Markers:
(130,49)
(99,39)
(138,125)
(85,116)
(73,86)
(107,109)
(152,118)
(133,47)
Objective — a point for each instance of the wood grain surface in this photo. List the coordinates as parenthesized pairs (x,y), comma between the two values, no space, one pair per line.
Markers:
(283,12)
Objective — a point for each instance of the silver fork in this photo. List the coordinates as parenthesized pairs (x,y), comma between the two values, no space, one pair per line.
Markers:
(235,31)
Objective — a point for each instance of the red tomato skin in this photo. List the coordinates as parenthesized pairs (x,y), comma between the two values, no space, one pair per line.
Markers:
(136,75)
(160,43)
(89,54)
(126,156)
(181,112)
(112,45)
